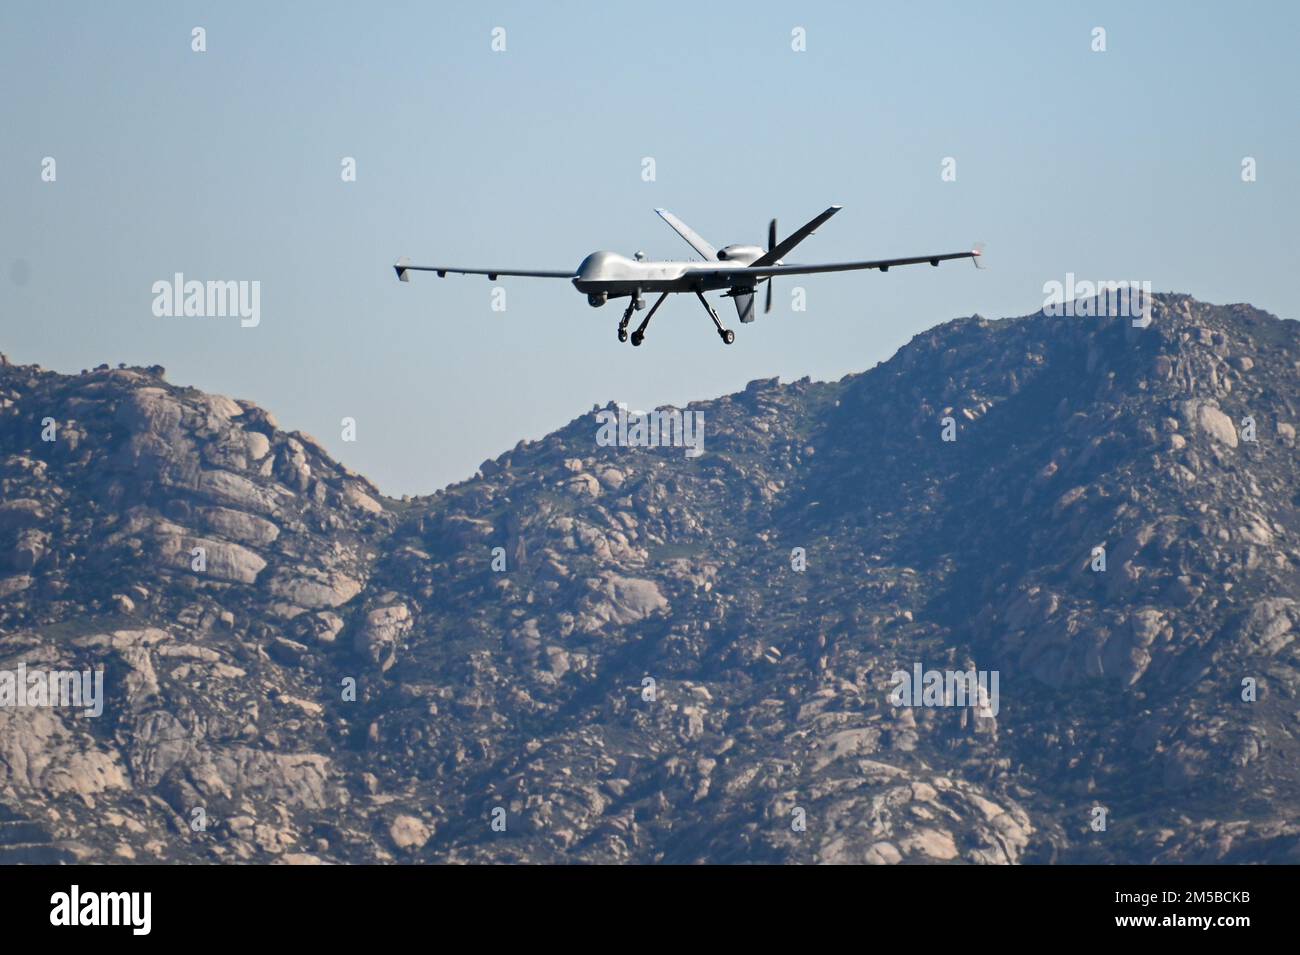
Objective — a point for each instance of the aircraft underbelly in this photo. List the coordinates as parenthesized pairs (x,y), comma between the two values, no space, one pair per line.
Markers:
(684,283)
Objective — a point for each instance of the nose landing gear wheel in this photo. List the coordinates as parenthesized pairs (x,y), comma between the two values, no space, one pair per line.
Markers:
(627,316)
(728,336)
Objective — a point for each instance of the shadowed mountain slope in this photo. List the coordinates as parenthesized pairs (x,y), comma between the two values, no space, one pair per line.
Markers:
(610,653)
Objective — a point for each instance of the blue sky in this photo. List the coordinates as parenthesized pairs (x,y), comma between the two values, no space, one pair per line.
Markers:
(226,165)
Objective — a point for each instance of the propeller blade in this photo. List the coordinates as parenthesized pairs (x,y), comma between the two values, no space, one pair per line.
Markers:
(771,244)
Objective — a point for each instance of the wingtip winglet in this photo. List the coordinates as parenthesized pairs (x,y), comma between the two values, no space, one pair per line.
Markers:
(401,269)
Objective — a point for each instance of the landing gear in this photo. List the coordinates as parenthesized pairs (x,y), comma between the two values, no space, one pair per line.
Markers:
(636,305)
(632,306)
(638,335)
(726,334)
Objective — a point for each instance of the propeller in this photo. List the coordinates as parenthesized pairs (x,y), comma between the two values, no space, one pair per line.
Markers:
(771,244)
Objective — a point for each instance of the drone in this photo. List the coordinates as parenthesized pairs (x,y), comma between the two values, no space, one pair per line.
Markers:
(740,269)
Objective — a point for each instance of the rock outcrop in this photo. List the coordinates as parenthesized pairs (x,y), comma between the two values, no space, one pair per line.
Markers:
(605,654)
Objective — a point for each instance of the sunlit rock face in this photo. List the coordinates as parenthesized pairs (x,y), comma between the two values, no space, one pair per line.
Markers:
(610,652)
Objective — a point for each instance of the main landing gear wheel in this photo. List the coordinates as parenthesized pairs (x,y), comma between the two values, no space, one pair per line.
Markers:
(726,334)
(622,334)
(638,334)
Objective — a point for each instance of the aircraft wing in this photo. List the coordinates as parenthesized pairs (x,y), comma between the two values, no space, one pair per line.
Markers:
(781,249)
(404,266)
(693,238)
(765,271)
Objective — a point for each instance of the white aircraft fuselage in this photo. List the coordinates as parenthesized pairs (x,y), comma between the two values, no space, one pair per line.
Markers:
(605,275)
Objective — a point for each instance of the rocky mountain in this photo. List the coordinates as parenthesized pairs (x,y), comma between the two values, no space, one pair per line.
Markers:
(604,653)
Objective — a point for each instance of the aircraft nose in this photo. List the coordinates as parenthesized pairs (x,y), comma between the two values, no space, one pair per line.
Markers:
(593,266)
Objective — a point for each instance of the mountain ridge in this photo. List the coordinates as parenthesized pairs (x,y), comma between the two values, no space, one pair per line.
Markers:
(522,689)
